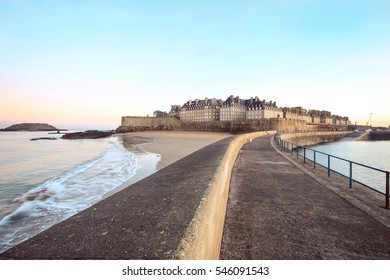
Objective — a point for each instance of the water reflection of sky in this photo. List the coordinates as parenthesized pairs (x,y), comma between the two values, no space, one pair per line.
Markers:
(372,153)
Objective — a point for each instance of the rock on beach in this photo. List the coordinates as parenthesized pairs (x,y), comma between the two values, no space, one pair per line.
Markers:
(89,134)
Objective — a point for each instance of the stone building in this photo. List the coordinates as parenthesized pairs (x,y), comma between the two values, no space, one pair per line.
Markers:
(345,121)
(159,114)
(326,117)
(236,109)
(271,110)
(338,120)
(297,114)
(174,109)
(315,116)
(200,110)
(321,117)
(233,109)
(257,109)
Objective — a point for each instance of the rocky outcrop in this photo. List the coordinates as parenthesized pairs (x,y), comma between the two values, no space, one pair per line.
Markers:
(43,138)
(89,134)
(30,127)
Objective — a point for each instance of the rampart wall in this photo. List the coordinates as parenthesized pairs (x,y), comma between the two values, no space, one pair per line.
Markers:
(308,138)
(131,124)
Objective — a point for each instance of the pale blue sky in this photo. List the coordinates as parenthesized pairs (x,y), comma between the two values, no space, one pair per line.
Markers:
(87,63)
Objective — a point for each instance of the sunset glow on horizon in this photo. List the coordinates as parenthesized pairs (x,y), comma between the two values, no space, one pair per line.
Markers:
(87,63)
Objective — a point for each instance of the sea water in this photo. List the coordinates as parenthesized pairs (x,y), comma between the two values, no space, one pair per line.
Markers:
(374,154)
(46,181)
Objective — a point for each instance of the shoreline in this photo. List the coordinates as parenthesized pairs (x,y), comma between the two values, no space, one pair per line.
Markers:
(158,149)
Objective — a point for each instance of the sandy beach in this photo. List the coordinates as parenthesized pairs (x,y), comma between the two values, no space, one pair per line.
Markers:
(158,149)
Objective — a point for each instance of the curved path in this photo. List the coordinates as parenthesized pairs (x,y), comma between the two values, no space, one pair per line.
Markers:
(275,211)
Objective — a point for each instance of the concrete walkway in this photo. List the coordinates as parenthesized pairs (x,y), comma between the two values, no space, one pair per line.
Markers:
(275,211)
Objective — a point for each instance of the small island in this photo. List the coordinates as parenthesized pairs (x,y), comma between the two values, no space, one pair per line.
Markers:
(30,127)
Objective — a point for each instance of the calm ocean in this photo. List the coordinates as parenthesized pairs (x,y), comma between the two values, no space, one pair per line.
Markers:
(372,153)
(46,181)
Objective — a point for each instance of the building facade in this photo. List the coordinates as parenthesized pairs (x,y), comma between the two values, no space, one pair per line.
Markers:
(236,109)
(200,110)
(233,109)
(257,109)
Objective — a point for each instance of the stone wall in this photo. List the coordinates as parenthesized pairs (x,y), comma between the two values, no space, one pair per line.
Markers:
(323,127)
(131,124)
(313,137)
(379,135)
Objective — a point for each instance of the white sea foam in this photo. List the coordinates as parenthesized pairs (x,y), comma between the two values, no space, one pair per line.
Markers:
(61,197)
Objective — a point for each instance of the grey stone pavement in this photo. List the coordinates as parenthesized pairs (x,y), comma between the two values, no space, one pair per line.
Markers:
(275,211)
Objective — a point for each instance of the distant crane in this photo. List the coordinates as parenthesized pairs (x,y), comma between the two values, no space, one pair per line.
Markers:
(369,119)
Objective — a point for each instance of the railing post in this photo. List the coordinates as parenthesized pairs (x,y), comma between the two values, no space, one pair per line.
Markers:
(314,159)
(328,165)
(292,149)
(297,152)
(350,174)
(304,155)
(387,190)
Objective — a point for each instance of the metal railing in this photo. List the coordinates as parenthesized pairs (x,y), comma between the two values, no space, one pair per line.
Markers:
(350,170)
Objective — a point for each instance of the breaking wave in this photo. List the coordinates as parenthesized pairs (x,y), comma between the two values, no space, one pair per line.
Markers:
(61,197)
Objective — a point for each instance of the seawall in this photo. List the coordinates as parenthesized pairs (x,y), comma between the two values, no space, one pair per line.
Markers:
(308,138)
(379,135)
(131,124)
(374,136)
(176,213)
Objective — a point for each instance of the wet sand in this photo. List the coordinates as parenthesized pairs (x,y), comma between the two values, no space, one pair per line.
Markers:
(158,149)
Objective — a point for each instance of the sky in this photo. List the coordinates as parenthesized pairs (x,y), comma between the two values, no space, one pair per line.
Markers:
(82,63)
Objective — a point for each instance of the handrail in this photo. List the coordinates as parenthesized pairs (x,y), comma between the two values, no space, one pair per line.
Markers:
(293,147)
